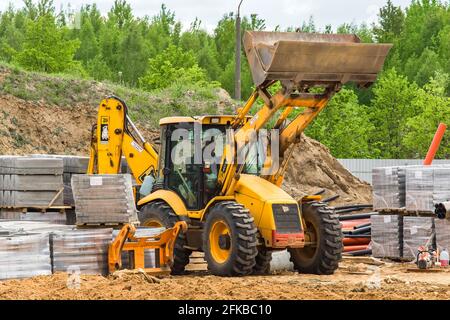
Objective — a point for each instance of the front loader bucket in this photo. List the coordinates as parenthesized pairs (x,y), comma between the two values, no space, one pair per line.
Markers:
(312,58)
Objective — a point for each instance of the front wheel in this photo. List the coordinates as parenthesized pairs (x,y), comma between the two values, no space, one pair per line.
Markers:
(324,246)
(160,214)
(229,240)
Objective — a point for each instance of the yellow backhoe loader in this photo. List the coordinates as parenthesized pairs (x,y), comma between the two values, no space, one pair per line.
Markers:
(236,211)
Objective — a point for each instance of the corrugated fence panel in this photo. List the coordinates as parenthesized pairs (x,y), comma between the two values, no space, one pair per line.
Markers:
(362,168)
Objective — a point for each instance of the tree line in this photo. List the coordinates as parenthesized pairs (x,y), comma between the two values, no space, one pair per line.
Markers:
(396,118)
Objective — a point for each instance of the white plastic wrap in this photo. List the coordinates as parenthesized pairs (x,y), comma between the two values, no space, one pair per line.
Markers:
(417,231)
(442,229)
(386,236)
(84,250)
(388,187)
(24,256)
(427,186)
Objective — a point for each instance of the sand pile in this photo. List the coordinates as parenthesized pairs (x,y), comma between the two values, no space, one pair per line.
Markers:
(312,168)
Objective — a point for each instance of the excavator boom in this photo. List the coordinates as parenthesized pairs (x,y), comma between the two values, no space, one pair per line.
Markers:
(311,68)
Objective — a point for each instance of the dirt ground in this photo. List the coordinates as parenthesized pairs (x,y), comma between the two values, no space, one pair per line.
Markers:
(353,280)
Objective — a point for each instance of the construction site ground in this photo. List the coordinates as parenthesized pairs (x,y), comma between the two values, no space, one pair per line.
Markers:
(355,279)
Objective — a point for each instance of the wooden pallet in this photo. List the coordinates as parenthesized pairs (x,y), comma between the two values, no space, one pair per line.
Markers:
(61,209)
(100,225)
(404,212)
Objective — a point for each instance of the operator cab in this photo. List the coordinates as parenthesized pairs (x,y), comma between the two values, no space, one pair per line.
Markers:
(190,156)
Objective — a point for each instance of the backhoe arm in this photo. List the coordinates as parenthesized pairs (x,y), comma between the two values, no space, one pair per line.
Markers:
(115,136)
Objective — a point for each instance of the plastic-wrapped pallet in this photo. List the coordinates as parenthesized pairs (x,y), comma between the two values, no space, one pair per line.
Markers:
(441,184)
(84,250)
(419,188)
(417,231)
(442,229)
(30,182)
(388,187)
(104,199)
(386,236)
(23,256)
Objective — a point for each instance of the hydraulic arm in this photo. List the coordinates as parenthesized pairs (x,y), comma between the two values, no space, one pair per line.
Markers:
(311,68)
(113,136)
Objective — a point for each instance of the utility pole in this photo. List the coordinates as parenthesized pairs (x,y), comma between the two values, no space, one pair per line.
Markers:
(237,67)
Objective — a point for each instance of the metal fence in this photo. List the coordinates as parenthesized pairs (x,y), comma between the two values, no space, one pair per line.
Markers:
(362,168)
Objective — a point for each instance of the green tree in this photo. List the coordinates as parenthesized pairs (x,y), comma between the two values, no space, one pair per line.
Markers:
(11,33)
(46,47)
(390,23)
(132,55)
(390,108)
(343,126)
(202,44)
(422,68)
(435,108)
(88,48)
(171,65)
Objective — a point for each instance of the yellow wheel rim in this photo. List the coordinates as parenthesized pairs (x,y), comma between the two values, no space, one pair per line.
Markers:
(152,223)
(218,229)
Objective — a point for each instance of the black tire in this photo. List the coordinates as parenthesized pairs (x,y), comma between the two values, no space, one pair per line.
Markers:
(160,211)
(262,259)
(324,257)
(242,239)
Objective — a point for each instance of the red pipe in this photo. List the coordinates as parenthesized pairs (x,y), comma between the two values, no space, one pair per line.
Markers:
(434,146)
(356,241)
(355,248)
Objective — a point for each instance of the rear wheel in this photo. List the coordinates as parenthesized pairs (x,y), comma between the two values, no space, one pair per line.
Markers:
(229,240)
(323,231)
(160,214)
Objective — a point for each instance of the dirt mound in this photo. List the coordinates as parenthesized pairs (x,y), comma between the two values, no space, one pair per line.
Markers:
(37,127)
(312,168)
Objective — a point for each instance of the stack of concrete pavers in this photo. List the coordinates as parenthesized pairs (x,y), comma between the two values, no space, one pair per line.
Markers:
(104,199)
(388,187)
(417,232)
(442,229)
(387,235)
(441,184)
(25,248)
(427,186)
(71,165)
(82,250)
(30,182)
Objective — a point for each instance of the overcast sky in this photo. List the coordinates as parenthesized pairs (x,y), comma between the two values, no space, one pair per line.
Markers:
(276,12)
